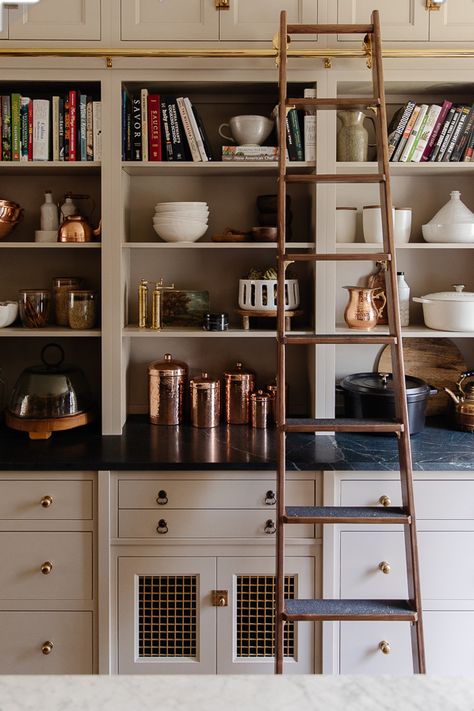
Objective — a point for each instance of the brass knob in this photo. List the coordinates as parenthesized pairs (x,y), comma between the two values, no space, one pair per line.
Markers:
(270,498)
(162,526)
(162,498)
(47,647)
(385,567)
(269,526)
(46,568)
(221,601)
(385,500)
(46,501)
(385,647)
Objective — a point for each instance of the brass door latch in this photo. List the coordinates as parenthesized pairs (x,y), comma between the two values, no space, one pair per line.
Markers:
(222,4)
(220,598)
(434,4)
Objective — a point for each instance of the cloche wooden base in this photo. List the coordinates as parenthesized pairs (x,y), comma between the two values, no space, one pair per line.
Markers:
(43,428)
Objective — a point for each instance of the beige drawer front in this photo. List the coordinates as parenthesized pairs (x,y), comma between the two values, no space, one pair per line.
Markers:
(205,494)
(23,635)
(45,500)
(203,524)
(23,555)
(446,564)
(450,499)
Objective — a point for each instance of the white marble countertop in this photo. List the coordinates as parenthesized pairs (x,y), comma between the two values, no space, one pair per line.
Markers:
(239,693)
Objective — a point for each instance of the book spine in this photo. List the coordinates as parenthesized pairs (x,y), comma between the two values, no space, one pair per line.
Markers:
(456,133)
(90,129)
(73,125)
(309,128)
(202,131)
(1,152)
(30,130)
(25,101)
(296,133)
(195,154)
(144,115)
(461,144)
(442,134)
(61,127)
(55,126)
(167,148)
(136,127)
(195,130)
(449,133)
(154,127)
(414,135)
(467,158)
(290,146)
(41,129)
(124,123)
(83,126)
(436,130)
(15,106)
(405,136)
(177,135)
(67,126)
(97,130)
(396,135)
(6,128)
(426,131)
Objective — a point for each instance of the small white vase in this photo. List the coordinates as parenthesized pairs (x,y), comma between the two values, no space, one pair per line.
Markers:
(346,224)
(402,225)
(372,223)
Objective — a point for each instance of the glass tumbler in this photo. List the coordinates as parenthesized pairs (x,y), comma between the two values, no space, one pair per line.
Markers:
(82,307)
(34,305)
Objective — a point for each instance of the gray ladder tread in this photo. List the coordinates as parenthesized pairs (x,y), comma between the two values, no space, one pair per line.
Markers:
(308,610)
(339,338)
(337,178)
(341,424)
(346,514)
(333,103)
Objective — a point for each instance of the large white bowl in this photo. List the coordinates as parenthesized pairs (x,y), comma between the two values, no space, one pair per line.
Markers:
(180,232)
(172,220)
(182,215)
(180,206)
(8,313)
(456,232)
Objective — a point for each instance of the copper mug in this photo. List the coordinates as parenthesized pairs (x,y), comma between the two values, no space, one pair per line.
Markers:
(361,311)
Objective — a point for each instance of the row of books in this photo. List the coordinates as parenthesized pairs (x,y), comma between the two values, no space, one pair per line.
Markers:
(162,128)
(62,128)
(432,132)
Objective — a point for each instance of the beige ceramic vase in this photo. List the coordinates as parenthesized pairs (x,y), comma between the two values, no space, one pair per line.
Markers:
(361,311)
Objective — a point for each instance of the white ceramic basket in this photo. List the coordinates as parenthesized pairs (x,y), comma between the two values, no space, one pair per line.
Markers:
(260,294)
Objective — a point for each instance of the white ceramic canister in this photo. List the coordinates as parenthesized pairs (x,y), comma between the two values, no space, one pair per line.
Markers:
(346,224)
(402,225)
(372,223)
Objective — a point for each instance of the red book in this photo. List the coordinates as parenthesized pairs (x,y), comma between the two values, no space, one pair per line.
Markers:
(30,130)
(73,125)
(154,127)
(436,129)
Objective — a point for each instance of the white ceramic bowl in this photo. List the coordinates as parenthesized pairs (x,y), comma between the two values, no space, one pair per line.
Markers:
(189,224)
(192,214)
(180,206)
(460,232)
(8,313)
(181,231)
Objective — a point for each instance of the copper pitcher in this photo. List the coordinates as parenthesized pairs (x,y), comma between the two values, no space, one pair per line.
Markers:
(75,228)
(361,311)
(464,401)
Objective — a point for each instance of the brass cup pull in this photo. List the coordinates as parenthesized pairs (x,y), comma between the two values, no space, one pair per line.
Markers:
(46,568)
(385,500)
(385,567)
(270,498)
(162,498)
(47,647)
(270,526)
(46,501)
(162,526)
(385,647)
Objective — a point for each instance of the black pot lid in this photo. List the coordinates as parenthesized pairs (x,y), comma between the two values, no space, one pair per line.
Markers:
(382,384)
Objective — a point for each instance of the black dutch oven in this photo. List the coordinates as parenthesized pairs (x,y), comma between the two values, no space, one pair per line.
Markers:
(372,396)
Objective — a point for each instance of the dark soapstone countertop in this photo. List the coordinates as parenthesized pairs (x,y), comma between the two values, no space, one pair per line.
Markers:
(146,447)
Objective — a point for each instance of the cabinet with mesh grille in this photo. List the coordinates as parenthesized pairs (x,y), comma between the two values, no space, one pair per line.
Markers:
(169,622)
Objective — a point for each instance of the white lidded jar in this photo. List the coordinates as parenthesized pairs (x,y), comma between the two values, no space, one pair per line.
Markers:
(403,299)
(49,213)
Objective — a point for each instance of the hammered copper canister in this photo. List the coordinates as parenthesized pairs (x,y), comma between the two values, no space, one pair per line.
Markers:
(239,384)
(205,401)
(260,404)
(167,383)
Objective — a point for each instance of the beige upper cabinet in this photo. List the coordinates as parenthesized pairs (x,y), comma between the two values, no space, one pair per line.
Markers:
(402,21)
(52,20)
(454,22)
(258,21)
(169,20)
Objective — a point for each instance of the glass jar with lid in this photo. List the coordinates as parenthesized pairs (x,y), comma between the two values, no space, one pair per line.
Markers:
(34,306)
(61,288)
(82,308)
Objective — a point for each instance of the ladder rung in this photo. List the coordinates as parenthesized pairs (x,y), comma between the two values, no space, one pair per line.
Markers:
(339,339)
(329,29)
(394,610)
(339,257)
(346,514)
(337,178)
(333,103)
(341,424)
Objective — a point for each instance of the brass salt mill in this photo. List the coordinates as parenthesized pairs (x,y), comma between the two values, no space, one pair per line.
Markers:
(156,303)
(143,303)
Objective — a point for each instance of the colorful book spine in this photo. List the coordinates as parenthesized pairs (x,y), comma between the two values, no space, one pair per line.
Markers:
(309,128)
(97,130)
(405,136)
(446,105)
(72,125)
(67,127)
(6,128)
(30,130)
(202,131)
(55,126)
(195,129)
(442,134)
(41,127)
(154,127)
(296,133)
(83,127)
(15,107)
(167,148)
(25,101)
(136,127)
(461,145)
(124,123)
(61,127)
(456,133)
(195,154)
(89,129)
(414,135)
(468,154)
(449,134)
(144,117)
(426,131)
(177,133)
(395,135)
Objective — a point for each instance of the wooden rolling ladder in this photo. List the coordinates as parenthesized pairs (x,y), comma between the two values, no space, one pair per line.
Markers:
(336,609)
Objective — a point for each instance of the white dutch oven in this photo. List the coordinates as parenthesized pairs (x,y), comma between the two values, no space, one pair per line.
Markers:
(448,310)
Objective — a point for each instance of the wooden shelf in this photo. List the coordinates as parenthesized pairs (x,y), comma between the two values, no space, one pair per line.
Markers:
(48,332)
(374,246)
(412,331)
(51,167)
(239,168)
(409,168)
(169,332)
(214,245)
(50,245)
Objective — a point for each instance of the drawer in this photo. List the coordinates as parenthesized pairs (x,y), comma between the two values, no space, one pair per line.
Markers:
(449,499)
(205,494)
(23,635)
(446,564)
(204,524)
(45,500)
(66,559)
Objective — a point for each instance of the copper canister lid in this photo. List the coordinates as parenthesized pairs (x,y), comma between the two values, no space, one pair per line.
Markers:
(204,382)
(259,396)
(168,367)
(239,373)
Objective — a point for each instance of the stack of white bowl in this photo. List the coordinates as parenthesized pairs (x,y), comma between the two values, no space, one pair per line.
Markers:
(180,221)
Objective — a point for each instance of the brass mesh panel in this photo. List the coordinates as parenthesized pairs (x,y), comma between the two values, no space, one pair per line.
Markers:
(256,616)
(167,616)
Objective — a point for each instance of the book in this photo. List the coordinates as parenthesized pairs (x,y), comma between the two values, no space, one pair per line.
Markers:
(136,127)
(309,128)
(292,118)
(456,133)
(195,129)
(446,105)
(97,130)
(449,133)
(195,153)
(397,126)
(154,127)
(249,153)
(166,147)
(405,135)
(55,126)
(414,135)
(82,124)
(41,129)
(442,134)
(144,116)
(6,128)
(426,130)
(30,130)
(61,127)
(202,131)
(90,129)
(468,153)
(67,127)
(15,126)
(72,125)
(178,138)
(462,142)
(124,123)
(25,102)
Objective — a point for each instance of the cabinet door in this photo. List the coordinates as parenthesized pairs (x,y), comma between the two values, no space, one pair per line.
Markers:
(250,20)
(405,20)
(245,639)
(166,621)
(176,20)
(48,20)
(454,22)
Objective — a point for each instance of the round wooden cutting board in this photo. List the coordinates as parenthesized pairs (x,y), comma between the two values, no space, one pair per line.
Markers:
(438,361)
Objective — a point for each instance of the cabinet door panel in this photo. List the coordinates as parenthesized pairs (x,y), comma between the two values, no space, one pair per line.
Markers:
(405,20)
(22,500)
(177,20)
(250,20)
(47,20)
(23,634)
(453,22)
(166,621)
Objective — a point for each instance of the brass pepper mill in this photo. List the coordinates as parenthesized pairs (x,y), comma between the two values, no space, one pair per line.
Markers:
(143,303)
(156,303)
(239,384)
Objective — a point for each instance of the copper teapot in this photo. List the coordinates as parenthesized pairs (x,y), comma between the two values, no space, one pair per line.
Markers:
(76,228)
(464,402)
